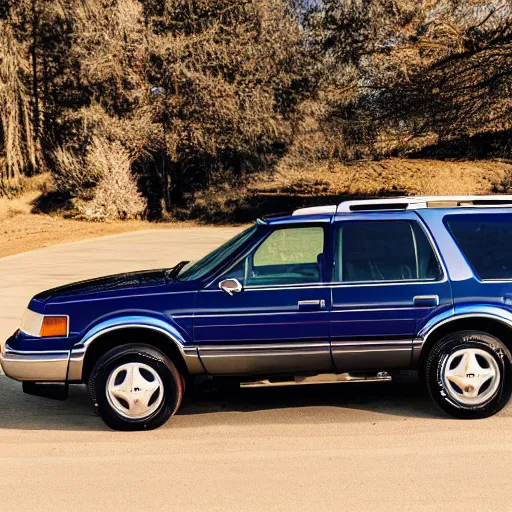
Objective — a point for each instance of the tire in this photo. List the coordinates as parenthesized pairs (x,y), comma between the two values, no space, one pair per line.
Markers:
(468,374)
(135,387)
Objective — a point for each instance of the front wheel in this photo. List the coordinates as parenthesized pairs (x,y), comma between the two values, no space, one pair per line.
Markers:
(468,374)
(135,387)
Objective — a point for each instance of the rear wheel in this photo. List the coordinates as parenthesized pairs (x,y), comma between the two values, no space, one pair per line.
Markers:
(468,374)
(135,387)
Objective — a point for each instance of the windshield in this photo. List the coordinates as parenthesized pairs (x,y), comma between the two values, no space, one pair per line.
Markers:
(197,269)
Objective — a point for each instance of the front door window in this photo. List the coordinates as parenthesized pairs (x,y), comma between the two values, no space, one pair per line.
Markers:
(287,256)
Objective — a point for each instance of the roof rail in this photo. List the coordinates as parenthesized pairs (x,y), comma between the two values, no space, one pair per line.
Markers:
(395,203)
(312,210)
(416,202)
(408,203)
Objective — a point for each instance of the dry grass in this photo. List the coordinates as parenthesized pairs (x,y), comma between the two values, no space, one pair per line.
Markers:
(390,176)
(21,230)
(18,206)
(22,204)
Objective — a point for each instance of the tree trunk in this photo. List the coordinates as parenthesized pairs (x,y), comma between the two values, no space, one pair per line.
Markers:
(35,78)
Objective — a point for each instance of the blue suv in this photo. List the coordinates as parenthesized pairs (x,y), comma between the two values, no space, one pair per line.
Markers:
(358,290)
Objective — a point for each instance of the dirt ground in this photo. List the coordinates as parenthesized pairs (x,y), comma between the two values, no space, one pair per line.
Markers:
(26,232)
(21,230)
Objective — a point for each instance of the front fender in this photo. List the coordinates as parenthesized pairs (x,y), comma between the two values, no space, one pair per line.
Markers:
(187,349)
(133,321)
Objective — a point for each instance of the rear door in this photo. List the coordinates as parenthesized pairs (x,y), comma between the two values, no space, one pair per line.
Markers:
(387,278)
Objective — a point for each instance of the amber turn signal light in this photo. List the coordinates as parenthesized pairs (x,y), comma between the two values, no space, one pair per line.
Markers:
(54,326)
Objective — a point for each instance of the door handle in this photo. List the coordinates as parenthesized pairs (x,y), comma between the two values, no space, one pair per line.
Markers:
(426,301)
(311,305)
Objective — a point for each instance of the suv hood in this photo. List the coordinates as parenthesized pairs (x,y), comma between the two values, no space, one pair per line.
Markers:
(129,280)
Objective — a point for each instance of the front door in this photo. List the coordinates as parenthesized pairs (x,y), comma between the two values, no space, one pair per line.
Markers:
(387,279)
(279,321)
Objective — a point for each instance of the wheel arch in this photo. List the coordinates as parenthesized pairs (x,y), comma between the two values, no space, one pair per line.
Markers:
(103,338)
(497,326)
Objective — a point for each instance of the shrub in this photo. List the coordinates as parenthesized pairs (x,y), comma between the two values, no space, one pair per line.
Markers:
(504,185)
(72,175)
(101,183)
(116,195)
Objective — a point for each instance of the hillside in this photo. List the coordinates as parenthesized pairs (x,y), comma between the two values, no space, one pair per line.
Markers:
(324,184)
(391,176)
(23,230)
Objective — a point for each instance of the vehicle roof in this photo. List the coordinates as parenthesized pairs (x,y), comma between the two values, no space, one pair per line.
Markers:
(319,218)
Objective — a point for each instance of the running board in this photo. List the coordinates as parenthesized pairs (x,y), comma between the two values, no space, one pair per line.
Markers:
(327,378)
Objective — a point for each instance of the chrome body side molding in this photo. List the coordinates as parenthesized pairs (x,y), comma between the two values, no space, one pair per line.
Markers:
(78,353)
(372,354)
(266,358)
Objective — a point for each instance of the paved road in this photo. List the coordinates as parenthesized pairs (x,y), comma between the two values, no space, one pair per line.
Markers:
(324,447)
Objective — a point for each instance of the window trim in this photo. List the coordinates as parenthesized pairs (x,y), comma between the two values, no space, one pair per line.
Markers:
(443,274)
(416,255)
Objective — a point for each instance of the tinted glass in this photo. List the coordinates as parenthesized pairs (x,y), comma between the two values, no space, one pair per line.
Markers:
(486,241)
(287,256)
(384,251)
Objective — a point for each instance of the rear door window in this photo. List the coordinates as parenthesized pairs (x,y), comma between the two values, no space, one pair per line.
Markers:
(396,250)
(486,242)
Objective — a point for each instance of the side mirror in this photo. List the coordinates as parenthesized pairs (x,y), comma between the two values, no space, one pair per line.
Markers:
(231,286)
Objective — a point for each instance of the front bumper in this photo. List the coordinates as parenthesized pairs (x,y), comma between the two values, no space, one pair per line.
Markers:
(38,366)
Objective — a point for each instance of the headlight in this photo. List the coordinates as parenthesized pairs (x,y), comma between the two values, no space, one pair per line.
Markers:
(44,326)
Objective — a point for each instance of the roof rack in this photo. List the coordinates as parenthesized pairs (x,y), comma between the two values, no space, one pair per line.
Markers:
(331,209)
(408,203)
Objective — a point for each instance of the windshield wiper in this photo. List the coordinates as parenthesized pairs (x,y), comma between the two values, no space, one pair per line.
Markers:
(172,274)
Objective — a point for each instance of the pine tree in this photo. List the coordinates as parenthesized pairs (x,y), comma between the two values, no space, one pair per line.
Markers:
(229,75)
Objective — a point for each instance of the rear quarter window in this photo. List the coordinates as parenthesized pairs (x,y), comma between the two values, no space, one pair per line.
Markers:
(486,242)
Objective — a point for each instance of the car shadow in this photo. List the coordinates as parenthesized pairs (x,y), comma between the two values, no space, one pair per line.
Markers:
(25,412)
(248,406)
(314,403)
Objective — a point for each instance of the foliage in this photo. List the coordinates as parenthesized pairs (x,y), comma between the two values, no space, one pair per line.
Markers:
(504,185)
(116,195)
(101,182)
(398,72)
(192,98)
(232,72)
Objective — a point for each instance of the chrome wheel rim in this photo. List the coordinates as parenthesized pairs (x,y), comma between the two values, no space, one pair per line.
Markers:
(135,390)
(471,376)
